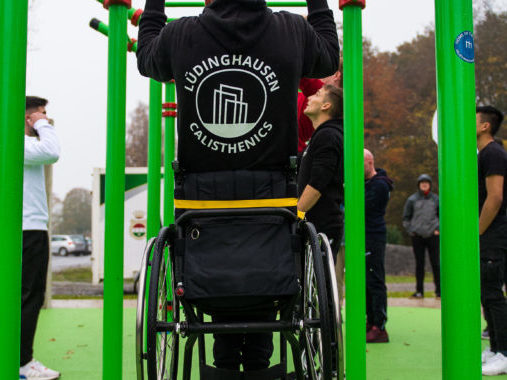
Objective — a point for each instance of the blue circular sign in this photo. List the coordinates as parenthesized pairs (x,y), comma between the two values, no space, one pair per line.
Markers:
(464,46)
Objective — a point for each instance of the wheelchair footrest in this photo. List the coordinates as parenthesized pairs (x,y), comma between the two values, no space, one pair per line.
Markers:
(272,373)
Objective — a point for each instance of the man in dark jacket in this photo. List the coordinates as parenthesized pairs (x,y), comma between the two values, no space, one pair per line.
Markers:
(237,67)
(320,178)
(420,219)
(377,192)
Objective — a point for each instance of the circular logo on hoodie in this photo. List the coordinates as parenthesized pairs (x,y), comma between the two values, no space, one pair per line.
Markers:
(230,102)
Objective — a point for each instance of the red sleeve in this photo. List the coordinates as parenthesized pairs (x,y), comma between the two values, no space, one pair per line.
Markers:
(305,126)
(310,86)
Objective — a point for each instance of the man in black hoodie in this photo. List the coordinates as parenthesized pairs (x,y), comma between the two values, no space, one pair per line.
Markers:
(320,177)
(377,192)
(237,67)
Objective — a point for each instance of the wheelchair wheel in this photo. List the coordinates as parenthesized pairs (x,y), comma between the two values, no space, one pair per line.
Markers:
(141,303)
(335,309)
(317,341)
(163,346)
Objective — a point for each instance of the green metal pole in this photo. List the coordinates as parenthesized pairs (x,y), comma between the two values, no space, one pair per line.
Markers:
(457,153)
(102,28)
(13,23)
(354,193)
(115,194)
(170,89)
(154,158)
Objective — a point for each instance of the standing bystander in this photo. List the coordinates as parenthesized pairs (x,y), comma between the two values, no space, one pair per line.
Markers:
(492,165)
(41,148)
(320,178)
(420,219)
(378,187)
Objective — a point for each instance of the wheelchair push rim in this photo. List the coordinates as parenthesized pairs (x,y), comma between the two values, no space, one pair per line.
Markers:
(336,321)
(141,302)
(317,343)
(162,346)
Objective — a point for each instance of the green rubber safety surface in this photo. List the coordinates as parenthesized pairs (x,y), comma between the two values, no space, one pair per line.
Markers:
(70,341)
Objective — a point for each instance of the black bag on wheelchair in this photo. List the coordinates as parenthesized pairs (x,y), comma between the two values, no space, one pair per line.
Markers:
(241,257)
(238,257)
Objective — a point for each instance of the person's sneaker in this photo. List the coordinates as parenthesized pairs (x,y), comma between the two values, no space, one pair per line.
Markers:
(35,370)
(496,365)
(376,335)
(417,295)
(485,334)
(486,355)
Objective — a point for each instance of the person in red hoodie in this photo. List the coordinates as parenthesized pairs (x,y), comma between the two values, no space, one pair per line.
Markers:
(309,87)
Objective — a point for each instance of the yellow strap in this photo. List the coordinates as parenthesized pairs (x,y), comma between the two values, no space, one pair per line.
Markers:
(246,203)
(301,214)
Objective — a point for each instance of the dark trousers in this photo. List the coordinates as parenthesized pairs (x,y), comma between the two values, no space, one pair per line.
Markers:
(493,245)
(251,350)
(33,287)
(376,290)
(419,245)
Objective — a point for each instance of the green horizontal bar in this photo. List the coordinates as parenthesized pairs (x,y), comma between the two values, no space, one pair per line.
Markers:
(177,4)
(102,28)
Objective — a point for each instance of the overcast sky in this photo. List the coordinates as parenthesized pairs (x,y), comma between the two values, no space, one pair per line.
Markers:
(67,64)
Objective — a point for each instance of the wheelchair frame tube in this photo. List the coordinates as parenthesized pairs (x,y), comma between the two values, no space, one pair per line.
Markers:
(354,193)
(115,194)
(13,23)
(236,327)
(458,193)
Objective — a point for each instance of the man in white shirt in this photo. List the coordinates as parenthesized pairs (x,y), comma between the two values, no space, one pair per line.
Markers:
(41,148)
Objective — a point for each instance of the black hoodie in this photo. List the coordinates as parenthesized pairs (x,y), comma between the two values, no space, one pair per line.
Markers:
(377,191)
(237,67)
(322,168)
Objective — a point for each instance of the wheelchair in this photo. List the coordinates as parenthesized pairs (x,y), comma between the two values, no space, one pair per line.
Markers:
(171,309)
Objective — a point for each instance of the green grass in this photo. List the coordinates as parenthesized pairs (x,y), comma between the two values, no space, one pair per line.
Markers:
(87,297)
(80,274)
(404,279)
(408,294)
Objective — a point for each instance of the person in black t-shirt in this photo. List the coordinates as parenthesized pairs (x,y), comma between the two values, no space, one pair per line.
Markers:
(492,165)
(320,177)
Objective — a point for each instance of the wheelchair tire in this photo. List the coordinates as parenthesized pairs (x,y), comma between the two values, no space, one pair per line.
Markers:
(162,346)
(317,342)
(335,309)
(141,311)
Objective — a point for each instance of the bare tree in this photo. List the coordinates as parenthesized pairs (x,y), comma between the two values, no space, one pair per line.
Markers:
(137,137)
(77,212)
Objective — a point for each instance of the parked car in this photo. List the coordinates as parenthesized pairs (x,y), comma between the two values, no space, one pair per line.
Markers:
(88,249)
(64,244)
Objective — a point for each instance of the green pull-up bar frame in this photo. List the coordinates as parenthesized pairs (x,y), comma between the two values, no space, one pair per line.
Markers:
(102,28)
(355,346)
(457,170)
(13,25)
(115,194)
(457,158)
